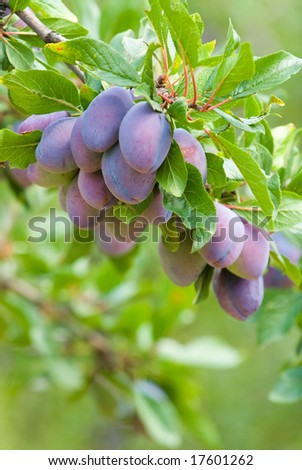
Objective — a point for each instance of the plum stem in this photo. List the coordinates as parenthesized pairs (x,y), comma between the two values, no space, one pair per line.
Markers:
(46,34)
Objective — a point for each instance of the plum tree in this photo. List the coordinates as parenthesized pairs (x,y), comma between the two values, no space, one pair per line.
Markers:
(227,242)
(182,267)
(39,122)
(253,259)
(109,244)
(53,152)
(86,159)
(155,213)
(37,175)
(81,214)
(145,138)
(102,119)
(191,150)
(125,184)
(93,189)
(239,297)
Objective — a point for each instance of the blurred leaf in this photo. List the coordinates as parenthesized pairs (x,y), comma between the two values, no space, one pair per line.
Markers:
(277,314)
(288,388)
(203,284)
(18,149)
(233,40)
(216,173)
(288,268)
(53,9)
(208,352)
(158,414)
(107,62)
(41,91)
(17,5)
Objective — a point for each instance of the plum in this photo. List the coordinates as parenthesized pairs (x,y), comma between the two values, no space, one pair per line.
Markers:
(182,267)
(239,297)
(227,242)
(253,259)
(37,175)
(145,138)
(39,122)
(155,213)
(81,214)
(123,182)
(102,118)
(86,159)
(109,244)
(93,189)
(53,152)
(191,150)
(19,177)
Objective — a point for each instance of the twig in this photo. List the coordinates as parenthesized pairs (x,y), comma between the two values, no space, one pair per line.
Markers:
(46,34)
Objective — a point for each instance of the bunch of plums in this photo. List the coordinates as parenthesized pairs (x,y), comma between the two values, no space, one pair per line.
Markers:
(239,252)
(110,155)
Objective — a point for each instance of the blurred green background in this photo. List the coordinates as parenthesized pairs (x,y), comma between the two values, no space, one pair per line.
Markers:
(64,387)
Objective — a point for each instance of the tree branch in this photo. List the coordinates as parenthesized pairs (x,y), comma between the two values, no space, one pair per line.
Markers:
(46,34)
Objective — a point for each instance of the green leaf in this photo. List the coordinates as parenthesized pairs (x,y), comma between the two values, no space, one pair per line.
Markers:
(274,187)
(17,5)
(173,173)
(19,54)
(195,208)
(209,352)
(87,94)
(106,62)
(158,414)
(237,122)
(295,186)
(277,314)
(184,29)
(53,9)
(234,69)
(128,213)
(66,28)
(288,388)
(270,72)
(203,284)
(216,173)
(18,149)
(41,91)
(288,216)
(158,21)
(252,173)
(232,42)
(179,110)
(148,74)
(287,267)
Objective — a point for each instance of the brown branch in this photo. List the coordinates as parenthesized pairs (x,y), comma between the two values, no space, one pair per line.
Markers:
(46,34)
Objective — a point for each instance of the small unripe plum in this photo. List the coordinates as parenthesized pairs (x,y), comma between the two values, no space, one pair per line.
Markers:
(93,189)
(86,159)
(37,175)
(109,244)
(123,182)
(39,122)
(102,119)
(227,242)
(81,214)
(53,152)
(145,138)
(239,297)
(182,267)
(253,259)
(191,150)
(155,213)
